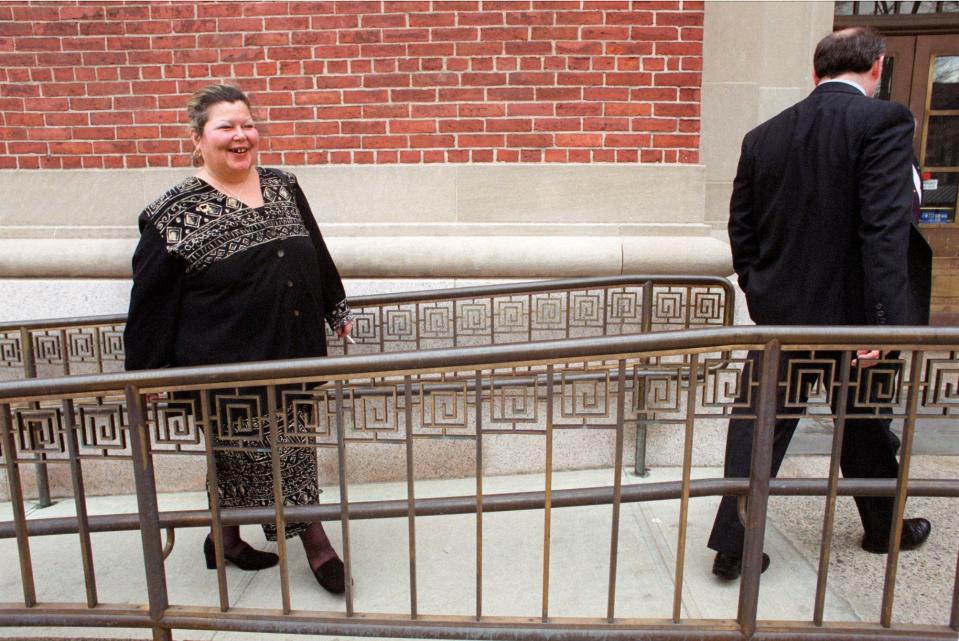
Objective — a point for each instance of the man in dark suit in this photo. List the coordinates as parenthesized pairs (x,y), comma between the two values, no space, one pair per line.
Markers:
(819,227)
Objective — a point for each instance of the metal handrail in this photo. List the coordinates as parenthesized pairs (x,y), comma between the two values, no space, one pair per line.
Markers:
(371,309)
(565,350)
(509,502)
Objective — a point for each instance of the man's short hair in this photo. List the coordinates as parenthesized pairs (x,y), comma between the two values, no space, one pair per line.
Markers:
(850,50)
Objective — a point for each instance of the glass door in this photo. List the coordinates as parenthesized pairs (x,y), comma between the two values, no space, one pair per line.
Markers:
(939,150)
(934,100)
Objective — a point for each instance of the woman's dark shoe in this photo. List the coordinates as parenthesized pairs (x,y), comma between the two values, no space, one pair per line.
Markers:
(914,533)
(248,558)
(332,576)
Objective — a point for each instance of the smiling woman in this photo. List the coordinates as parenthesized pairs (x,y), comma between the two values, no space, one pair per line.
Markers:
(231,267)
(225,148)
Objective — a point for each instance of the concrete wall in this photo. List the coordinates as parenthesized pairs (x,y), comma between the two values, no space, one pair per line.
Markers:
(466,221)
(757,60)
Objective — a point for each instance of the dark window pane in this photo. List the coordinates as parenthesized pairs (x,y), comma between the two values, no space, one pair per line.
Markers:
(885,82)
(942,142)
(889,8)
(945,83)
(938,197)
(843,9)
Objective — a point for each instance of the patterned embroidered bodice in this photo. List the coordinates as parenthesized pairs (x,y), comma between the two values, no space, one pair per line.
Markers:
(202,225)
(216,281)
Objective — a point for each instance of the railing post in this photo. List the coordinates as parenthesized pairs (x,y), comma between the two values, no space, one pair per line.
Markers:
(16,503)
(758,497)
(30,371)
(902,488)
(148,511)
(344,496)
(646,326)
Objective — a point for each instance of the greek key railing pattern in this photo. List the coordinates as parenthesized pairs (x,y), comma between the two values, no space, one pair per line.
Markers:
(574,395)
(492,315)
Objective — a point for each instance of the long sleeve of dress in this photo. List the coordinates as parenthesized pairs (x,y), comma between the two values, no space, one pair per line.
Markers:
(336,309)
(151,327)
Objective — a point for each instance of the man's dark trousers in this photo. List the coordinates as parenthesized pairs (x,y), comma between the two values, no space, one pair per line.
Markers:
(868,451)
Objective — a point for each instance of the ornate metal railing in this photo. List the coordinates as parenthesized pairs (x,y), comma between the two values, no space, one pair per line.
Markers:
(467,316)
(409,321)
(402,402)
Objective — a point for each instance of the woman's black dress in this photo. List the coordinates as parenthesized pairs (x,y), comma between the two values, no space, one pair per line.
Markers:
(216,281)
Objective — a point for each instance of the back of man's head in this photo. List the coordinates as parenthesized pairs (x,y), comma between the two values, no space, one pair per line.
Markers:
(850,50)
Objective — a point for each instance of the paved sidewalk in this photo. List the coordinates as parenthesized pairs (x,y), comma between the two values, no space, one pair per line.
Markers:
(513,559)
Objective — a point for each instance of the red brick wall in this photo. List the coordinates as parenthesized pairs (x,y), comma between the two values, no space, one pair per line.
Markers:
(104,84)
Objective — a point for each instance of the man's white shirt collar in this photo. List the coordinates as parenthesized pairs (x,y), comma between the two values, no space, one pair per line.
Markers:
(848,82)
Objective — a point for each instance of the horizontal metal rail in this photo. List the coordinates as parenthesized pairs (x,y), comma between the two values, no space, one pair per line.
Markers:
(445,506)
(484,357)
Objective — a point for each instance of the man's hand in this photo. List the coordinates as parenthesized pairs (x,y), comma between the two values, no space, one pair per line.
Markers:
(868,357)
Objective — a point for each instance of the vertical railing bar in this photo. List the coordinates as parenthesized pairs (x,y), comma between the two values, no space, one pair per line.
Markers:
(492,320)
(30,371)
(278,507)
(80,502)
(547,508)
(902,487)
(684,498)
(479,492)
(758,497)
(454,320)
(569,309)
(26,353)
(605,296)
(16,503)
(529,319)
(646,324)
(416,319)
(825,548)
(148,512)
(344,497)
(213,491)
(97,351)
(954,617)
(617,490)
(382,332)
(410,493)
(66,352)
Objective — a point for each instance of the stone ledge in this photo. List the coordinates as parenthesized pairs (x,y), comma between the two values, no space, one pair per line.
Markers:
(413,256)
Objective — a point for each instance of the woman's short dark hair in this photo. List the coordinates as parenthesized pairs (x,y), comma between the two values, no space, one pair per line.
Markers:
(198,109)
(850,50)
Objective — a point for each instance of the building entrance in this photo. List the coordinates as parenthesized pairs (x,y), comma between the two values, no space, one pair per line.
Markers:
(922,71)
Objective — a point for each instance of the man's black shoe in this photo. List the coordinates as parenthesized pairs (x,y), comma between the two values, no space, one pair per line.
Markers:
(730,567)
(914,533)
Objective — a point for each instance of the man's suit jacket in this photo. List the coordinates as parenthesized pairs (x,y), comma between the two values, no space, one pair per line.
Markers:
(821,213)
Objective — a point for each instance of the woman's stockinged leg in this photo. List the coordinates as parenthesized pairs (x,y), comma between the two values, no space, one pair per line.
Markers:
(317,545)
(326,565)
(232,543)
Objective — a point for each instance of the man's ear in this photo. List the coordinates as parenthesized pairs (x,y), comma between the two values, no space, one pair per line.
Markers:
(876,70)
(815,78)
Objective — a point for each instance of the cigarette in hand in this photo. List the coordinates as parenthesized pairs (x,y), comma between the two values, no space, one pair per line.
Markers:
(349,339)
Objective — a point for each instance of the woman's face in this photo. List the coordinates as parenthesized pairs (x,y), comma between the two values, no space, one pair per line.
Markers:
(229,141)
